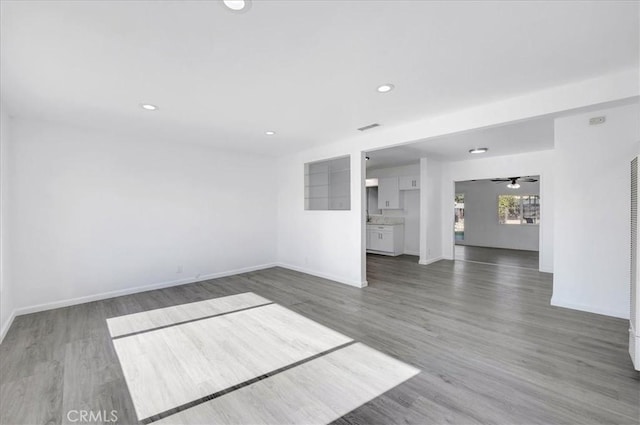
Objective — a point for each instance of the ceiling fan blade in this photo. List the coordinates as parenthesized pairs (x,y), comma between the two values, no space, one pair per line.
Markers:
(529,180)
(501,180)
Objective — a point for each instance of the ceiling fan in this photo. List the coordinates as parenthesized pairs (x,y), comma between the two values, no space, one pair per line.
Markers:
(514,181)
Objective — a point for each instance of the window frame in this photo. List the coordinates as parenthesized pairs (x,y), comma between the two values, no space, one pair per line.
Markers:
(521,209)
(331,181)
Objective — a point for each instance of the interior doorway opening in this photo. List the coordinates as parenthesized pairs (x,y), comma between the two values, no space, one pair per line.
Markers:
(497,221)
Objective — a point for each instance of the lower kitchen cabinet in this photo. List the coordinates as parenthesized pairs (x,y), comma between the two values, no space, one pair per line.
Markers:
(385,239)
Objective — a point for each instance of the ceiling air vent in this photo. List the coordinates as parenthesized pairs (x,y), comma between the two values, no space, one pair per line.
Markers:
(369,127)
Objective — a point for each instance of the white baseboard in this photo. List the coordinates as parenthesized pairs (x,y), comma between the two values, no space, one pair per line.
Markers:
(105,295)
(589,309)
(134,290)
(5,328)
(544,267)
(634,347)
(429,261)
(339,279)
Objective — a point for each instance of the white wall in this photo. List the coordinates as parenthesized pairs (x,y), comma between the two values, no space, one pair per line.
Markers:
(6,296)
(431,211)
(372,201)
(345,241)
(322,243)
(592,210)
(534,163)
(481,227)
(411,205)
(97,215)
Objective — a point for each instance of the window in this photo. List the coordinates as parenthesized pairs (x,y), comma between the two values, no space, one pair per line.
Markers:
(458,219)
(327,184)
(519,209)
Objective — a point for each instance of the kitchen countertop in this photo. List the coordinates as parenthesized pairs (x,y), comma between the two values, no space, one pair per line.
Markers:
(385,221)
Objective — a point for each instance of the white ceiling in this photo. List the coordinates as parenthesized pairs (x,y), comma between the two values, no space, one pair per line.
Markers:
(526,136)
(306,69)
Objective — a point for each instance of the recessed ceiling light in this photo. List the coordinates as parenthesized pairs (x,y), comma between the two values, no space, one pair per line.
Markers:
(478,150)
(237,5)
(385,88)
(270,133)
(149,107)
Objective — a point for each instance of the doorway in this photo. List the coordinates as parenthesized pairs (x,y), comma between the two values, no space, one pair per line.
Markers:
(497,221)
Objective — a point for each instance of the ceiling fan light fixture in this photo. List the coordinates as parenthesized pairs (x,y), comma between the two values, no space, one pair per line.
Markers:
(513,186)
(478,150)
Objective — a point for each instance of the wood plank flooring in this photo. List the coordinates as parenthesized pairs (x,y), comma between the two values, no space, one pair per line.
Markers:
(489,346)
(315,392)
(499,256)
(169,367)
(169,316)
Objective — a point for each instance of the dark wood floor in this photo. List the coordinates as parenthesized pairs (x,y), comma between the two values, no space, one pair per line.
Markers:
(499,256)
(490,347)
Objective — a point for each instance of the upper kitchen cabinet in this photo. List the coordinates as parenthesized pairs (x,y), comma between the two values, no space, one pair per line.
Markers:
(409,182)
(389,193)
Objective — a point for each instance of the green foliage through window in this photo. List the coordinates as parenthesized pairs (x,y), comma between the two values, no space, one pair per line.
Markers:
(519,209)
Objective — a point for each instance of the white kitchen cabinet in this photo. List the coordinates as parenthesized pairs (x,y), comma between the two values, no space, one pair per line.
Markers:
(385,239)
(373,240)
(409,182)
(389,193)
(381,240)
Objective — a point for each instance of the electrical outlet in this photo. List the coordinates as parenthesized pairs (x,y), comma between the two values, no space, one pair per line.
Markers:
(179,269)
